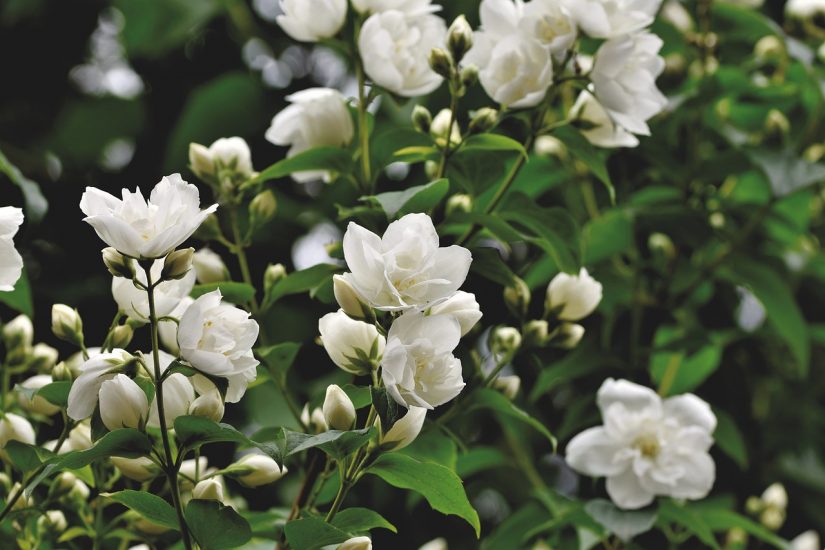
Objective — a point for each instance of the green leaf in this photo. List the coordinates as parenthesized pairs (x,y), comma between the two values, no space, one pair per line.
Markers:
(607,235)
(494,224)
(487,262)
(148,505)
(195,431)
(359,520)
(416,153)
(485,398)
(719,519)
(433,446)
(26,457)
(387,408)
(337,444)
(331,159)
(729,438)
(625,524)
(300,281)
(20,298)
(786,171)
(581,362)
(441,487)
(36,205)
(590,155)
(313,533)
(420,198)
(479,459)
(216,526)
(492,142)
(234,293)
(683,370)
(671,512)
(359,395)
(56,393)
(279,358)
(780,305)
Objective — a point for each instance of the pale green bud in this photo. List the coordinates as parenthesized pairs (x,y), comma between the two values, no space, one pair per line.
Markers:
(67,324)
(118,264)
(177,264)
(339,412)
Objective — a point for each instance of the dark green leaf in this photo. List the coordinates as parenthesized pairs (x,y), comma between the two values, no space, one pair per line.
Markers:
(359,395)
(148,505)
(593,157)
(313,533)
(625,524)
(56,393)
(216,526)
(671,512)
(301,281)
(359,520)
(20,299)
(337,444)
(485,398)
(388,410)
(487,262)
(195,431)
(440,486)
(279,358)
(492,142)
(26,457)
(332,159)
(234,293)
(729,439)
(420,198)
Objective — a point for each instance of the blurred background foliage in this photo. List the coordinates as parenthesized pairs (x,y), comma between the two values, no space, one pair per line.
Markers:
(711,258)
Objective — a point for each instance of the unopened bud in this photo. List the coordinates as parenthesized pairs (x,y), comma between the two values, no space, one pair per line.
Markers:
(356,543)
(17,337)
(177,264)
(118,264)
(315,421)
(469,75)
(61,373)
(431,169)
(444,127)
(735,537)
(138,469)
(536,333)
(422,119)
(208,489)
(273,274)
(52,521)
(348,299)
(263,207)
(23,502)
(508,385)
(550,146)
(776,124)
(517,297)
(441,63)
(42,358)
(567,336)
(459,38)
(483,120)
(769,47)
(200,161)
(339,412)
(209,267)
(772,518)
(262,470)
(405,429)
(662,244)
(67,324)
(209,405)
(505,341)
(776,496)
(121,336)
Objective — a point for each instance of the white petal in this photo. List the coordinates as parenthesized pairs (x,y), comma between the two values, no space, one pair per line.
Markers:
(593,453)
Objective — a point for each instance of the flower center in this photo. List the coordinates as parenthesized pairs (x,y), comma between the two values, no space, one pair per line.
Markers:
(648,445)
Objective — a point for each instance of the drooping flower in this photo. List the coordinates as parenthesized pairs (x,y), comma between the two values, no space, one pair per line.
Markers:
(134,301)
(602,130)
(405,268)
(11,264)
(395,48)
(419,368)
(647,446)
(264,470)
(85,390)
(573,297)
(146,229)
(312,20)
(551,23)
(122,403)
(318,117)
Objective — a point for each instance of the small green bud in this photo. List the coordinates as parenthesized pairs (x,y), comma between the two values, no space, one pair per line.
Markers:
(459,203)
(422,119)
(483,120)
(61,373)
(67,324)
(273,274)
(505,340)
(263,207)
(177,264)
(441,63)
(469,75)
(459,38)
(517,297)
(117,264)
(122,336)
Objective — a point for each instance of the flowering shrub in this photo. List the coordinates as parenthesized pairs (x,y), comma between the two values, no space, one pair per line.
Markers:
(568,309)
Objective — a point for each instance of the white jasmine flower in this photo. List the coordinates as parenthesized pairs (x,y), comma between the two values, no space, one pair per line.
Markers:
(14,427)
(604,132)
(410,7)
(405,430)
(312,20)
(463,307)
(209,267)
(354,346)
(134,301)
(573,296)
(100,367)
(122,403)
(612,18)
(804,9)
(551,23)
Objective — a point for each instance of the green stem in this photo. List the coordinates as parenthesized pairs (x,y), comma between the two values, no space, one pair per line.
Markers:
(240,252)
(171,469)
(363,128)
(442,166)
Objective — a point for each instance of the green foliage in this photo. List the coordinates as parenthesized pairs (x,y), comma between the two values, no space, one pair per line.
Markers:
(148,505)
(216,526)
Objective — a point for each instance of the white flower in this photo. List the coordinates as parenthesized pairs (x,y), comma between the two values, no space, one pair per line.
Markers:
(318,117)
(775,496)
(612,18)
(419,368)
(515,69)
(193,470)
(38,404)
(405,268)
(54,520)
(237,384)
(508,385)
(604,132)
(14,427)
(226,154)
(356,543)
(208,489)
(809,540)
(11,264)
(339,412)
(134,302)
(647,446)
(573,296)
(80,438)
(405,429)
(395,48)
(146,229)
(624,80)
(551,23)
(138,469)
(568,335)
(312,20)
(168,330)
(178,395)
(355,346)
(439,128)
(264,470)
(217,338)
(209,267)
(314,420)
(436,544)
(100,367)
(122,403)
(804,9)
(208,405)
(410,7)
(463,307)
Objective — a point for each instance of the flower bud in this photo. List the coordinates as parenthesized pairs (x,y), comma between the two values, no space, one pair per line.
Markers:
(405,429)
(567,336)
(177,264)
(809,540)
(550,146)
(209,267)
(348,299)
(264,470)
(138,469)
(209,405)
(769,47)
(200,161)
(772,518)
(118,264)
(67,324)
(505,340)
(42,358)
(573,297)
(459,203)
(439,544)
(64,483)
(662,244)
(508,385)
(78,493)
(355,346)
(440,129)
(315,422)
(776,125)
(23,502)
(14,427)
(422,119)
(431,169)
(208,489)
(61,373)
(121,336)
(273,274)
(178,395)
(356,543)
(483,120)
(38,405)
(440,62)
(52,520)
(123,404)
(80,438)
(263,207)
(17,337)
(463,307)
(517,297)
(459,38)
(536,333)
(469,75)
(339,412)
(776,496)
